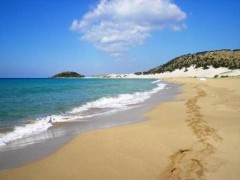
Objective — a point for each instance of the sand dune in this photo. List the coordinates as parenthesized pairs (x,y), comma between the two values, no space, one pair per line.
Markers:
(185,72)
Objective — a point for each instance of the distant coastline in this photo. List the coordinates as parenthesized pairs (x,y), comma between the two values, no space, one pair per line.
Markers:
(210,64)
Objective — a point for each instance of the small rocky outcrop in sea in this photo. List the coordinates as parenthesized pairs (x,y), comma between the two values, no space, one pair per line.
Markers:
(68,74)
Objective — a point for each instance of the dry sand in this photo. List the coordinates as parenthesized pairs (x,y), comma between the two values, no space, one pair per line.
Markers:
(196,137)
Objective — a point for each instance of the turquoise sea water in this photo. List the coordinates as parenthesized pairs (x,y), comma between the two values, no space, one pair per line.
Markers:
(46,101)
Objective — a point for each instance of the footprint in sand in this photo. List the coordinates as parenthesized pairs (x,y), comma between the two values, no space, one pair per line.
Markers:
(192,163)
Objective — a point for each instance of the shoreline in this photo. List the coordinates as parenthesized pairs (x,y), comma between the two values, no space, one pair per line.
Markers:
(27,150)
(194,137)
(75,110)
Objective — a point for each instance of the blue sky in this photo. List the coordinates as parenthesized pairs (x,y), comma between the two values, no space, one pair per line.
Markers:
(39,38)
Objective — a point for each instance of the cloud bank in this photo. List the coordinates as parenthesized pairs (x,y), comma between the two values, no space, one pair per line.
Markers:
(114,26)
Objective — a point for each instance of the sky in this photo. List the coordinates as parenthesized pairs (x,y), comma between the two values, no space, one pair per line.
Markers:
(39,38)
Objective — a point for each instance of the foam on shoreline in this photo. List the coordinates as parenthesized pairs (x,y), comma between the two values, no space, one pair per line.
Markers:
(100,106)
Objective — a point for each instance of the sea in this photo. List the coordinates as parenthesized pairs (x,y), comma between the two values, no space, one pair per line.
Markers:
(31,106)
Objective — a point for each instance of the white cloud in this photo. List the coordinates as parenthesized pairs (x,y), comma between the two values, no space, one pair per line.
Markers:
(115,26)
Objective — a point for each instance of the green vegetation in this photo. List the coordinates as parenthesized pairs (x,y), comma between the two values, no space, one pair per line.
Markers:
(138,73)
(219,58)
(68,74)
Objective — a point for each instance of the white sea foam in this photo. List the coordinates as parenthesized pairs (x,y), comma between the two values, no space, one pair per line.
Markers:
(26,130)
(157,81)
(120,102)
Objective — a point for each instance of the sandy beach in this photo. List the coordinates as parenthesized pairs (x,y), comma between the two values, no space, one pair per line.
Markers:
(195,137)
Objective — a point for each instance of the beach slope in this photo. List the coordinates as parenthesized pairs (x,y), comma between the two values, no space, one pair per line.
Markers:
(195,137)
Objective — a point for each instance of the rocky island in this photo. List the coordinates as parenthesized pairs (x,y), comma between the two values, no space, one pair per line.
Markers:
(68,74)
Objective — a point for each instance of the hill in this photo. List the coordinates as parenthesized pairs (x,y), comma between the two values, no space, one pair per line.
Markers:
(220,58)
(68,74)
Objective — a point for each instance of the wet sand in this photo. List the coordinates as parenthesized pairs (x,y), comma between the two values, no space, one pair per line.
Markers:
(195,137)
